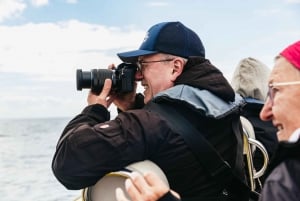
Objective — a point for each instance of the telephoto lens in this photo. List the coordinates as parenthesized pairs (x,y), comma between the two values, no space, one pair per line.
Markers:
(122,77)
(93,79)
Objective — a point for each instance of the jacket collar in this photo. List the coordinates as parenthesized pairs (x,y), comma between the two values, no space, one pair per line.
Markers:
(200,100)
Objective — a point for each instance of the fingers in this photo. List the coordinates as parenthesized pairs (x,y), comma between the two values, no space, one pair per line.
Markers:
(125,101)
(106,89)
(148,187)
(111,66)
(120,195)
(156,183)
(110,99)
(140,183)
(143,187)
(153,180)
(133,191)
(103,98)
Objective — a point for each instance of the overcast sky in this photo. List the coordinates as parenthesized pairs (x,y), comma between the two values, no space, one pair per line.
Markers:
(43,42)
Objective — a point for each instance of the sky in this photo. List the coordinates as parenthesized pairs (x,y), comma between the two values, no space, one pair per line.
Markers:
(44,42)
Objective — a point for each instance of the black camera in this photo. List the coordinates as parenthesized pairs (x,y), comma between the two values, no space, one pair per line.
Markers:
(122,78)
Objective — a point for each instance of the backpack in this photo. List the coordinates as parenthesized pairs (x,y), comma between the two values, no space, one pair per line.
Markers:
(240,189)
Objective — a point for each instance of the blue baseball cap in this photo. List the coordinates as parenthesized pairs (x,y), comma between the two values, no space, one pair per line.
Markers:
(170,38)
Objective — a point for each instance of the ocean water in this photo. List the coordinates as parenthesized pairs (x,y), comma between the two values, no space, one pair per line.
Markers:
(26,150)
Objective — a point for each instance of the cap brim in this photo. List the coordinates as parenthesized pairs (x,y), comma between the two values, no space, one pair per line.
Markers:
(132,56)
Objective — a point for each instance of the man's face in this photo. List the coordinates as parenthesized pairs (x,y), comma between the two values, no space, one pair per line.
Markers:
(156,74)
(283,108)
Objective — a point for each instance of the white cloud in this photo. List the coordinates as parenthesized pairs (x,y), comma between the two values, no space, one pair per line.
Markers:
(41,61)
(39,3)
(11,8)
(56,49)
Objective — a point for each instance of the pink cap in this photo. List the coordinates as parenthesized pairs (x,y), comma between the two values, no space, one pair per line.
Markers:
(292,54)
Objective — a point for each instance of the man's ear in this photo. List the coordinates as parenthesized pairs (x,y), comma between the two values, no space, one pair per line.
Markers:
(177,68)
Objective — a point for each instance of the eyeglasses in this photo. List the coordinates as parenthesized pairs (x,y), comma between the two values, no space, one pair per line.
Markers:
(272,91)
(141,62)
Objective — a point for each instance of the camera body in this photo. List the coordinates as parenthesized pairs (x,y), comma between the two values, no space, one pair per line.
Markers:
(122,77)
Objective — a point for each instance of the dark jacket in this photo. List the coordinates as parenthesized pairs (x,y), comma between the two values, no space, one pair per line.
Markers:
(91,145)
(283,181)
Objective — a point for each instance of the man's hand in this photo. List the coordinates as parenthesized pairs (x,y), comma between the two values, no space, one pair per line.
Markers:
(125,101)
(104,98)
(144,188)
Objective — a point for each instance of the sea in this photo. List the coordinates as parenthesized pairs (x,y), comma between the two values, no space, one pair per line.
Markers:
(26,150)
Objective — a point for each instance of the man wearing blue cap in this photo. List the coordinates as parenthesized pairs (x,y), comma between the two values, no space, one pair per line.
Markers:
(175,74)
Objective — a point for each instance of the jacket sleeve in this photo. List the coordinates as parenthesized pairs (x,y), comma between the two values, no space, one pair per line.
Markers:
(92,146)
(69,152)
(276,192)
(280,185)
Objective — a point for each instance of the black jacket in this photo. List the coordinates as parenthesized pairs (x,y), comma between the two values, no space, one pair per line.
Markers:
(283,181)
(91,145)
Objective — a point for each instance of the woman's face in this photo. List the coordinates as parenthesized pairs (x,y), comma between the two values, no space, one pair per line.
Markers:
(283,108)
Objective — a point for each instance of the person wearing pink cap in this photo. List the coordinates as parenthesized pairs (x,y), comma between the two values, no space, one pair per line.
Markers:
(283,108)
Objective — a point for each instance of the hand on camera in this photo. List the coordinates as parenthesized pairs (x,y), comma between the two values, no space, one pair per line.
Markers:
(104,98)
(124,101)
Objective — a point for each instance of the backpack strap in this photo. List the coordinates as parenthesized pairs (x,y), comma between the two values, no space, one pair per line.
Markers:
(206,154)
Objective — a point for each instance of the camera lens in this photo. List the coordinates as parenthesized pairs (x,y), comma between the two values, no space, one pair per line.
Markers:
(123,78)
(98,78)
(84,79)
(93,79)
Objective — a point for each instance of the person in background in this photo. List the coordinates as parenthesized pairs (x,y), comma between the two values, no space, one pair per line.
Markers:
(174,72)
(250,80)
(282,107)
